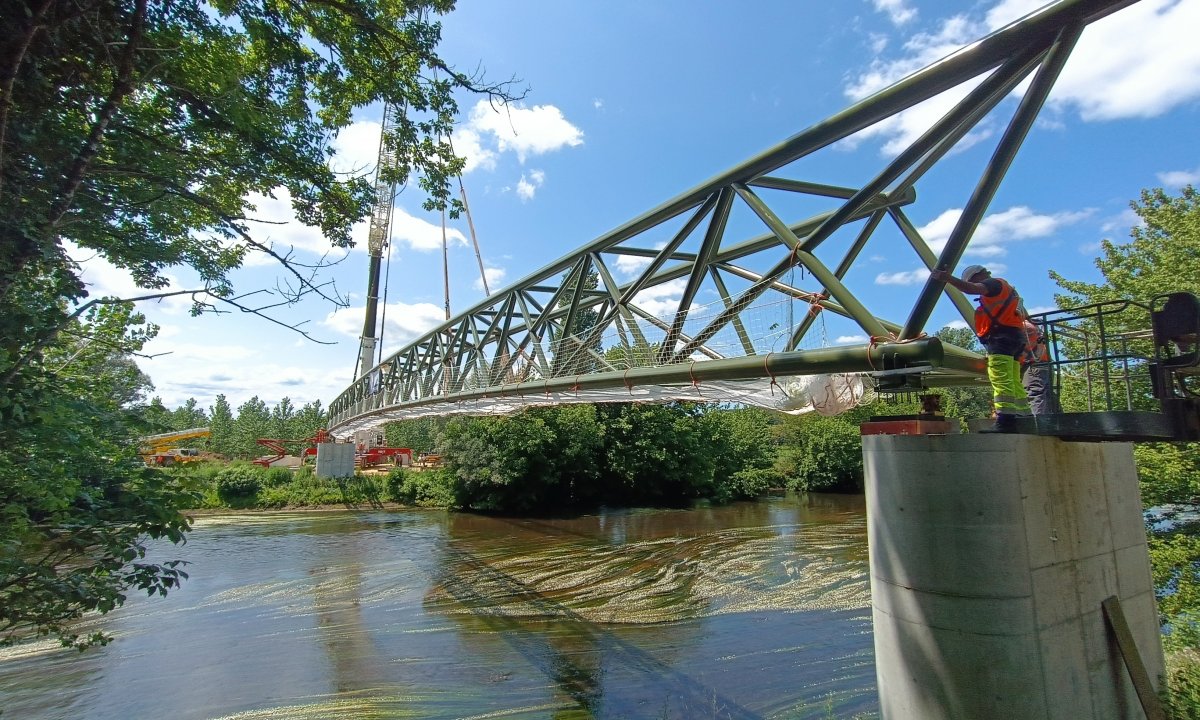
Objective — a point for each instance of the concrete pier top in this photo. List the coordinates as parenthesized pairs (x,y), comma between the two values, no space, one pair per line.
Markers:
(990,558)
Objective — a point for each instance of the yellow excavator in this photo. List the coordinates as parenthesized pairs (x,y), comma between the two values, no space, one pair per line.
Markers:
(162,450)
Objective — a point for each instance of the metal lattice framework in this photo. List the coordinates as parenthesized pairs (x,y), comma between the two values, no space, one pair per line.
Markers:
(572,331)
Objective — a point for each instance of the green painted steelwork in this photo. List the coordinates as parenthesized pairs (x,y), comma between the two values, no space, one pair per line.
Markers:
(573,324)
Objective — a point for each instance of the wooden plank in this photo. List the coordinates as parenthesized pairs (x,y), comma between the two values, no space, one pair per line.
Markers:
(1133,659)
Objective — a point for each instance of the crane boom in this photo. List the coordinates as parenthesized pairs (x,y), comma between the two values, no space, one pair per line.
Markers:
(377,239)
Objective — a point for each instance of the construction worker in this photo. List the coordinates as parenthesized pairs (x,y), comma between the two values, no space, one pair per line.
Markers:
(1035,372)
(999,323)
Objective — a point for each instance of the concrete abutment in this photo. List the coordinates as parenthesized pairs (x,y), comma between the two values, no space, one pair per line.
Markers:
(990,558)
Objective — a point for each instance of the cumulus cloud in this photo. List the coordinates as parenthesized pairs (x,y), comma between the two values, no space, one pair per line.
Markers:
(1109,75)
(997,229)
(850,339)
(898,11)
(421,235)
(1179,178)
(405,322)
(203,371)
(524,131)
(528,184)
(662,301)
(273,223)
(103,279)
(356,148)
(903,277)
(494,276)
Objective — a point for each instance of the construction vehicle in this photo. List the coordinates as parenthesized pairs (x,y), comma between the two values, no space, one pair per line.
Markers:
(162,450)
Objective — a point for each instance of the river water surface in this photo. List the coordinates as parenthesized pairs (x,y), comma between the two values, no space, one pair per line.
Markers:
(754,610)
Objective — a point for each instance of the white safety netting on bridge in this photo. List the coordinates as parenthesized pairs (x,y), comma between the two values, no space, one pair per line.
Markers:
(795,395)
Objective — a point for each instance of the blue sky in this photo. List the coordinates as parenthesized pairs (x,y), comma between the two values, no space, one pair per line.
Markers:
(633,103)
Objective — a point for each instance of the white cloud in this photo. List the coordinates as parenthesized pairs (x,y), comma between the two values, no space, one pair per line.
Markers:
(525,131)
(419,234)
(903,277)
(957,324)
(878,42)
(1121,223)
(997,229)
(404,322)
(356,149)
(1139,62)
(274,224)
(598,103)
(898,11)
(527,186)
(469,146)
(237,371)
(662,301)
(630,265)
(103,279)
(494,276)
(849,339)
(1110,75)
(1179,178)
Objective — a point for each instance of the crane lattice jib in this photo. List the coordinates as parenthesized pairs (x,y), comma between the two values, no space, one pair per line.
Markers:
(381,219)
(572,332)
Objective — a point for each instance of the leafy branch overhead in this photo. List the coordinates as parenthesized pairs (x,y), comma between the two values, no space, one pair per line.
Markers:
(138,131)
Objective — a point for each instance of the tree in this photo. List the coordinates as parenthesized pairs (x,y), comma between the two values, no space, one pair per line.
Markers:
(282,417)
(77,504)
(308,420)
(188,415)
(220,426)
(420,434)
(1161,257)
(141,132)
(965,402)
(253,422)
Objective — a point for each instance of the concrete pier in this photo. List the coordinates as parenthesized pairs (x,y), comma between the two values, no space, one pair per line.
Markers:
(990,558)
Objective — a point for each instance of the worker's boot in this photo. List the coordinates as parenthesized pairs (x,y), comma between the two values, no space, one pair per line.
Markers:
(1005,423)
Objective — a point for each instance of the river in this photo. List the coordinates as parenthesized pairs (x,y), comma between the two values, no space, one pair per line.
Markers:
(752,610)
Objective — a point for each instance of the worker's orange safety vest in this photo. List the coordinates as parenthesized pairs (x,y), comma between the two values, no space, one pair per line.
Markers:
(1002,308)
(1036,349)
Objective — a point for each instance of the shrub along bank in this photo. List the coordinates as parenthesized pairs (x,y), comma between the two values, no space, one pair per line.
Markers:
(574,458)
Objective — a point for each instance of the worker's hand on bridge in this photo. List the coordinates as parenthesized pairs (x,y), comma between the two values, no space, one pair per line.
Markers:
(939,274)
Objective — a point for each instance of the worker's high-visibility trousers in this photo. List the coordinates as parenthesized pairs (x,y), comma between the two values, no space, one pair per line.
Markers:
(1008,394)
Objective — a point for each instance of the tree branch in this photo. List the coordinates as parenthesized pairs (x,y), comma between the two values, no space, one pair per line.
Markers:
(121,88)
(12,66)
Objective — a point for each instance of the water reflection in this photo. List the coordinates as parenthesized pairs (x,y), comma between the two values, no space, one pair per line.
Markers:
(747,611)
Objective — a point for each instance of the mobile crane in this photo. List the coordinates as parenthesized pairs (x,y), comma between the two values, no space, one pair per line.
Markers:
(161,450)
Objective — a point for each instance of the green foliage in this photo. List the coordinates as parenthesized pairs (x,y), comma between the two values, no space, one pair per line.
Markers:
(420,435)
(77,506)
(820,453)
(1161,256)
(1181,698)
(239,483)
(657,454)
(1169,473)
(277,476)
(424,488)
(743,452)
(1175,564)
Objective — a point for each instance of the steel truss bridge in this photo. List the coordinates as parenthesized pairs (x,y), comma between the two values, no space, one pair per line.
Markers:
(729,261)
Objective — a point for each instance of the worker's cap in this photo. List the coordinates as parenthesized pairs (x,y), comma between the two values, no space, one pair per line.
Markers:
(972,271)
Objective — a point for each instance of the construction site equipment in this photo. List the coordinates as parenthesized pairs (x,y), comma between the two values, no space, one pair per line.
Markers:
(366,457)
(162,450)
(279,448)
